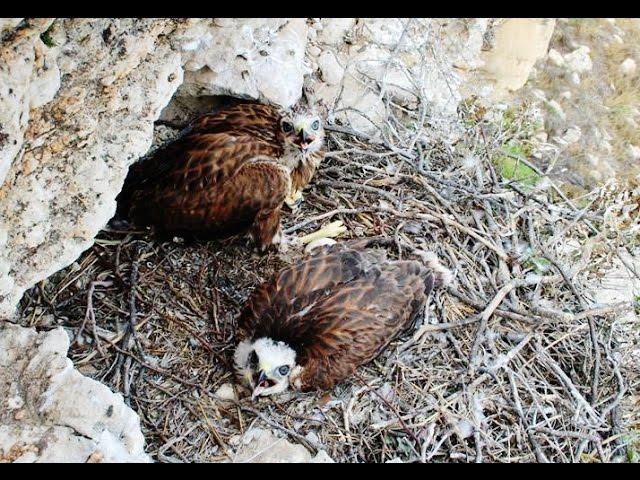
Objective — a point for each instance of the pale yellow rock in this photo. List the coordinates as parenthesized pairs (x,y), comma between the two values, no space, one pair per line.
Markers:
(519,43)
(225,392)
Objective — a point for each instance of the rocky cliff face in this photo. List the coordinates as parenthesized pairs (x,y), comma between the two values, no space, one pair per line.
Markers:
(79,97)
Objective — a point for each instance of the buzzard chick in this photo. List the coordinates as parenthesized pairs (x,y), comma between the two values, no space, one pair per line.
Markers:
(227,173)
(315,322)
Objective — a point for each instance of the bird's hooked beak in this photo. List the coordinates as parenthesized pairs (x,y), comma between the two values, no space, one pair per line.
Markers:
(261,383)
(304,138)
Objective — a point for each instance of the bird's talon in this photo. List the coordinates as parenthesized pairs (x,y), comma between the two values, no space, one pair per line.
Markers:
(282,242)
(294,200)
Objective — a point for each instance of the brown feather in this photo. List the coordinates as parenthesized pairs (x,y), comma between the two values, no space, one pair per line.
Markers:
(337,310)
(302,174)
(222,176)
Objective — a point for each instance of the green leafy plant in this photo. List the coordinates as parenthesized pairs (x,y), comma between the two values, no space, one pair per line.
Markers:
(536,262)
(511,168)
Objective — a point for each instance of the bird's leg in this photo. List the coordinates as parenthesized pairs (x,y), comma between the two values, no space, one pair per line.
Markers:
(266,229)
(281,241)
(294,199)
(323,236)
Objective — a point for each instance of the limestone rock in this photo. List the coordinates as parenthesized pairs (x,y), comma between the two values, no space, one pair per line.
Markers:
(8,24)
(364,109)
(633,152)
(405,58)
(259,58)
(332,71)
(313,50)
(574,78)
(566,95)
(28,79)
(322,457)
(571,136)
(225,392)
(49,412)
(334,30)
(112,77)
(556,57)
(579,61)
(519,43)
(555,109)
(262,446)
(628,67)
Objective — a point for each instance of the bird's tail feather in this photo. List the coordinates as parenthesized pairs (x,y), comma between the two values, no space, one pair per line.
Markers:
(442,276)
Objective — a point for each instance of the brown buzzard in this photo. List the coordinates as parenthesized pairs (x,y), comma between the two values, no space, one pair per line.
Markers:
(315,322)
(227,173)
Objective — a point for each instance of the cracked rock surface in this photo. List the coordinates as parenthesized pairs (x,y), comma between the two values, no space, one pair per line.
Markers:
(49,412)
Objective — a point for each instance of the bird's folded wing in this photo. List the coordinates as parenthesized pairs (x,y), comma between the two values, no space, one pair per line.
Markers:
(213,146)
(296,287)
(222,202)
(355,323)
(253,120)
(197,161)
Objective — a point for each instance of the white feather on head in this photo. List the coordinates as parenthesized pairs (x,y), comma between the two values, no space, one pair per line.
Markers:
(271,354)
(274,354)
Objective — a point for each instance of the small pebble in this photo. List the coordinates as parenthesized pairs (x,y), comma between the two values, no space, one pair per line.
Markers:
(556,58)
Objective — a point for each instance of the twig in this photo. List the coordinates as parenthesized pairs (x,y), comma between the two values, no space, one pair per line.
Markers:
(288,431)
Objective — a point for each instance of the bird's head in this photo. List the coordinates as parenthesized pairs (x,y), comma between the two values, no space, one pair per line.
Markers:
(265,365)
(303,129)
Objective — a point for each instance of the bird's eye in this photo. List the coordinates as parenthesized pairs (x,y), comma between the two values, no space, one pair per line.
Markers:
(287,127)
(315,125)
(283,370)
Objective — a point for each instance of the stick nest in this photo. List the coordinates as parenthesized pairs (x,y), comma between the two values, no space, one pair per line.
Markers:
(513,361)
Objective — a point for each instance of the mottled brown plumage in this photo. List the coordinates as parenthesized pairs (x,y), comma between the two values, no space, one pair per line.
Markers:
(227,173)
(337,310)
